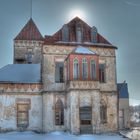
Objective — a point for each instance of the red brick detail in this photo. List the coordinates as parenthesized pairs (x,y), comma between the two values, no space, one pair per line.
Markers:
(80,57)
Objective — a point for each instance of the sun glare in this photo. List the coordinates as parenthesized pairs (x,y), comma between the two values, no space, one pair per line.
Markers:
(77,13)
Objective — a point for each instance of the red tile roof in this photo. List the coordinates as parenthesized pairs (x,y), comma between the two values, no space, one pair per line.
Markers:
(72,33)
(29,32)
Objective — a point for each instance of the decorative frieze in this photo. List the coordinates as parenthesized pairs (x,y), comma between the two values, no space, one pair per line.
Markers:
(83,85)
(4,88)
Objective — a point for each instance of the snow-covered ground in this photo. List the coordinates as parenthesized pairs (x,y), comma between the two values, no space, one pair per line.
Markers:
(56,136)
(133,134)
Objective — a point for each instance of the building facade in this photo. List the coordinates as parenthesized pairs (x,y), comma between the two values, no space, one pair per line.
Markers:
(66,81)
(124,109)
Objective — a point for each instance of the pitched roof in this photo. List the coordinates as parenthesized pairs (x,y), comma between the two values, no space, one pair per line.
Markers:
(29,32)
(123,90)
(20,73)
(82,50)
(57,37)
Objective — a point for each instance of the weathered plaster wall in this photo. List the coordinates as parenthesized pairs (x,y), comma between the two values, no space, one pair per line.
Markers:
(49,100)
(124,106)
(8,111)
(21,47)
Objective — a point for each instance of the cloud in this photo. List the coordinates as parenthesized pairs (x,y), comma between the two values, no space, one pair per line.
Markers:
(132,2)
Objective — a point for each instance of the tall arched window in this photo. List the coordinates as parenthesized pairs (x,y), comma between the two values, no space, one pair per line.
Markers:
(93,69)
(75,69)
(59,113)
(84,68)
(103,112)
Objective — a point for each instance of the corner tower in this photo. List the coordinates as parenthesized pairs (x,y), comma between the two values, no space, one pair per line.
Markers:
(28,44)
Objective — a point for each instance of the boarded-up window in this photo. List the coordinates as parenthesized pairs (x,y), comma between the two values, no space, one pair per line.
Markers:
(85,115)
(59,70)
(102,73)
(75,69)
(59,113)
(22,115)
(103,113)
(93,69)
(84,68)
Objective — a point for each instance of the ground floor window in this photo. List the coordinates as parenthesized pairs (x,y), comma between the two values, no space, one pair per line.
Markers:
(22,115)
(103,113)
(59,113)
(85,115)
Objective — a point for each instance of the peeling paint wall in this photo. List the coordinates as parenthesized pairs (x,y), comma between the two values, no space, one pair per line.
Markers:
(8,111)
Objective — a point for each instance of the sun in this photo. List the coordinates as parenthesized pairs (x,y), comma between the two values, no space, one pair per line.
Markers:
(77,13)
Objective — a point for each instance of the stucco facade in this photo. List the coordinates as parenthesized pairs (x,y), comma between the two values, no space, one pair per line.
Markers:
(59,101)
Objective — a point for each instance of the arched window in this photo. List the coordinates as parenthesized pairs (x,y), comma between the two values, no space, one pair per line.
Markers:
(103,112)
(75,69)
(59,113)
(84,68)
(93,69)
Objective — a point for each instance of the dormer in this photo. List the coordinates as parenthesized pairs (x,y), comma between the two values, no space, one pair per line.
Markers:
(79,32)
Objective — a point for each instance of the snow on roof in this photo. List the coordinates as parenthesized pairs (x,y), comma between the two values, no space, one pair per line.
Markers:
(20,73)
(83,50)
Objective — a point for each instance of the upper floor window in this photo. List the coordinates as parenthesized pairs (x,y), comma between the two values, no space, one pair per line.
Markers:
(75,69)
(94,34)
(102,73)
(65,33)
(84,68)
(29,57)
(59,68)
(59,112)
(93,69)
(79,33)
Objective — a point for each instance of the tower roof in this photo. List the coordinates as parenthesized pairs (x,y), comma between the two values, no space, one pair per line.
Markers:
(29,32)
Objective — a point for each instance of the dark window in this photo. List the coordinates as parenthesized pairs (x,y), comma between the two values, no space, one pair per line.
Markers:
(84,68)
(103,113)
(102,73)
(22,115)
(75,69)
(59,70)
(93,69)
(65,33)
(59,113)
(85,115)
(20,61)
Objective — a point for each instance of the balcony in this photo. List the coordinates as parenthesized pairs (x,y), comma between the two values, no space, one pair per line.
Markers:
(75,84)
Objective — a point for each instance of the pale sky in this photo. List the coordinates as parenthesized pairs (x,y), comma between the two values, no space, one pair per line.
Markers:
(117,20)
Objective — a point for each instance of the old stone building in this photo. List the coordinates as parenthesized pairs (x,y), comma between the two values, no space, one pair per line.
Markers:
(66,81)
